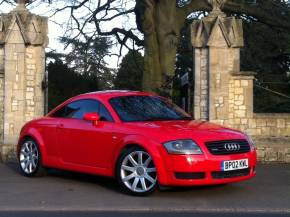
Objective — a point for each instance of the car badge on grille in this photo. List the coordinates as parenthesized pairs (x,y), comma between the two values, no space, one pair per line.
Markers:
(232,146)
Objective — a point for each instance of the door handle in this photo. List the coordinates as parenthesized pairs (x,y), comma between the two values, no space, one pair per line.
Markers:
(114,137)
(60,126)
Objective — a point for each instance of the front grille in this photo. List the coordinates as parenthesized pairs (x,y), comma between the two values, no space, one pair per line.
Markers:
(230,174)
(196,175)
(220,147)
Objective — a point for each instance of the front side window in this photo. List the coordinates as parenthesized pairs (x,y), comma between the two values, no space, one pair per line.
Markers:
(79,108)
(147,108)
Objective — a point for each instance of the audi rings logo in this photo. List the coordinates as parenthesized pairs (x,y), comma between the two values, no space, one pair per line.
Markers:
(232,146)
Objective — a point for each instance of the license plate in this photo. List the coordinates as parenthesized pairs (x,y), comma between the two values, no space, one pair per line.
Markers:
(235,165)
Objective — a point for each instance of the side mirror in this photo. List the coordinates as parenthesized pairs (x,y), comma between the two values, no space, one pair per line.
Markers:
(94,117)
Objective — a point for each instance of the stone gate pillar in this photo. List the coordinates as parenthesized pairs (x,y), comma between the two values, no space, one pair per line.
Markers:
(216,40)
(23,38)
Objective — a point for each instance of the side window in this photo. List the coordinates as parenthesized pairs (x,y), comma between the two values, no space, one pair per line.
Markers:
(105,114)
(60,113)
(74,110)
(77,109)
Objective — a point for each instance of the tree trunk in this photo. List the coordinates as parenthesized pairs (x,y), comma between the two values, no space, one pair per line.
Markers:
(161,39)
(152,71)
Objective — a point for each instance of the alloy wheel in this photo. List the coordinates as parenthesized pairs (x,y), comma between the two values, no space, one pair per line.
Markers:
(138,172)
(29,157)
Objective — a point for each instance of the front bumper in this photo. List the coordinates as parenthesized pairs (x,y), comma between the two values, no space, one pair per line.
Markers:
(191,170)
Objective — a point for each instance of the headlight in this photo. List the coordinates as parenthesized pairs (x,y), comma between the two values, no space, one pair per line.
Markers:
(251,142)
(182,147)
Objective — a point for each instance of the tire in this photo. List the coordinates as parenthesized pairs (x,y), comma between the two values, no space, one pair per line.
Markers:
(30,159)
(136,172)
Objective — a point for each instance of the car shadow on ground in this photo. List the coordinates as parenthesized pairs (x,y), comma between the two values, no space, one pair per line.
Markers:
(108,183)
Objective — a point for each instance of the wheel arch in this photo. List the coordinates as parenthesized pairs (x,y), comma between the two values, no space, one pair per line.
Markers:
(33,134)
(149,146)
(121,150)
(128,146)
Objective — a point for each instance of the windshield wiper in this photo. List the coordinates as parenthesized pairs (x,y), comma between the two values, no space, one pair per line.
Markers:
(185,118)
(168,119)
(157,119)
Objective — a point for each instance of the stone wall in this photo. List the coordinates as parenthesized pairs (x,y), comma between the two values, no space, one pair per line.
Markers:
(23,38)
(241,114)
(201,100)
(224,94)
(270,131)
(1,95)
(34,95)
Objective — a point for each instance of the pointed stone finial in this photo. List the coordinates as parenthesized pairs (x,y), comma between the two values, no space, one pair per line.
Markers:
(216,7)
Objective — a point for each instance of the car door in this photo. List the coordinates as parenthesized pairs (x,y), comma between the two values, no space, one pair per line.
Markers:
(81,142)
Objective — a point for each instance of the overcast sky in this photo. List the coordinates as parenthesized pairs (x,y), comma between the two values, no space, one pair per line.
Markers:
(58,22)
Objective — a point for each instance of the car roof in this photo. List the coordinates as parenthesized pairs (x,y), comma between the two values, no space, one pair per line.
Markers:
(107,94)
(103,95)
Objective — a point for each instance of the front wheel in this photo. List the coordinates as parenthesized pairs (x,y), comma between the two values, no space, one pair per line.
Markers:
(136,172)
(30,159)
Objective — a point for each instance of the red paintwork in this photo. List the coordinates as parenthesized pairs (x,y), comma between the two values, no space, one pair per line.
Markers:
(78,145)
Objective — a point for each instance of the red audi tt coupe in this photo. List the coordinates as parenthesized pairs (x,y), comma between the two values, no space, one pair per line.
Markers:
(141,139)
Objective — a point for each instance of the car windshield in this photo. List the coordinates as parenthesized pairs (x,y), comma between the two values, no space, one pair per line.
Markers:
(147,108)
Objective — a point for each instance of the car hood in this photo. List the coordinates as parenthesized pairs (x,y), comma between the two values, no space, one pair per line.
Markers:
(201,131)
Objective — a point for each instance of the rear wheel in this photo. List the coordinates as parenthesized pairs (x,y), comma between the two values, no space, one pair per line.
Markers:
(136,172)
(30,159)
